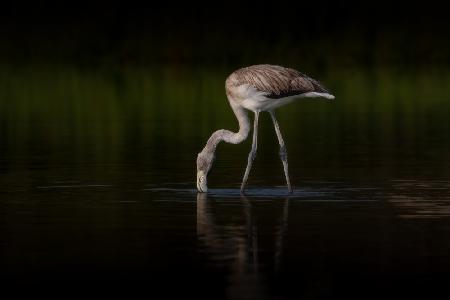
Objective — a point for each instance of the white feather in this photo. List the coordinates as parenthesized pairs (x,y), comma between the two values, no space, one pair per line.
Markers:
(255,100)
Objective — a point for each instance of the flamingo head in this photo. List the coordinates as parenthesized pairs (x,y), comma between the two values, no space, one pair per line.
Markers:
(205,160)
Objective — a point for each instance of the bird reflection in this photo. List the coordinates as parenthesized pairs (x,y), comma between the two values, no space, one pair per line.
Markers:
(236,245)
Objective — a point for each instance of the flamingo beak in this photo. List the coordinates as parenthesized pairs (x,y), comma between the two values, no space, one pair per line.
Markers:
(201,182)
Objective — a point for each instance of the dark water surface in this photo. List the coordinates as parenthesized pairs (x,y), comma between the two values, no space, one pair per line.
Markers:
(97,188)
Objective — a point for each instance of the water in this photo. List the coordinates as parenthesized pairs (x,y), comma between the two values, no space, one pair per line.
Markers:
(97,189)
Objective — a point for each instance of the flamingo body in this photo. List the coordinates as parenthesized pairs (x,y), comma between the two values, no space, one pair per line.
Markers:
(267,87)
(258,88)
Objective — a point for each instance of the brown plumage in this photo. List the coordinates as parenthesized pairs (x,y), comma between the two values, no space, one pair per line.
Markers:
(258,88)
(276,81)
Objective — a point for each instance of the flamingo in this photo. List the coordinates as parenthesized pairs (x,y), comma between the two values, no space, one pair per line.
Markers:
(258,88)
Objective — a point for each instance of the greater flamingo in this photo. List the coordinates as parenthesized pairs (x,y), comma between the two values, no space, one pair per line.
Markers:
(257,88)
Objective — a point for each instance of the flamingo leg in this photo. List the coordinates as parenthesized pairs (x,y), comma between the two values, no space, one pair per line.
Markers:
(283,151)
(252,153)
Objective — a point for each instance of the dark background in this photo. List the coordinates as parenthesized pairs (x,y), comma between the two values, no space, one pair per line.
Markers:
(321,33)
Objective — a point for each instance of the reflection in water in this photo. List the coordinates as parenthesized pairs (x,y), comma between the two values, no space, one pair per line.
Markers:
(421,199)
(239,243)
(282,231)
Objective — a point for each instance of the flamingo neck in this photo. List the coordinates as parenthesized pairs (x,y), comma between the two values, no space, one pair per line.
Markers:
(227,135)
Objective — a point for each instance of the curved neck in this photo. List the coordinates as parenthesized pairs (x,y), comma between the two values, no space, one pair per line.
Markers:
(228,136)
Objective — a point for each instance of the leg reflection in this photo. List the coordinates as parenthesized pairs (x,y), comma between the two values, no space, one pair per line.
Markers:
(280,236)
(235,243)
(252,234)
